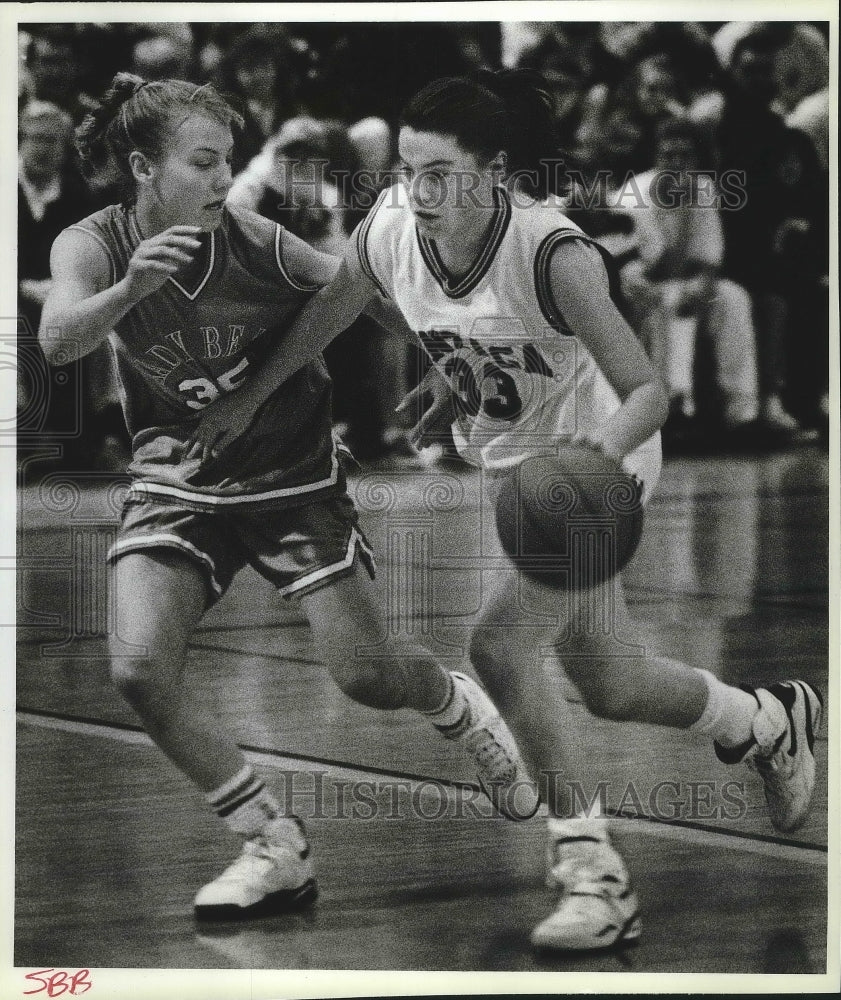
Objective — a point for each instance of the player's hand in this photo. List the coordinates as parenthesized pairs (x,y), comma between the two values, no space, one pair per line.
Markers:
(35,289)
(587,439)
(594,440)
(221,423)
(160,256)
(437,417)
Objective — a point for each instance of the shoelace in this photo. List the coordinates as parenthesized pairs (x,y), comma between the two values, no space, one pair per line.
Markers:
(491,756)
(253,851)
(588,882)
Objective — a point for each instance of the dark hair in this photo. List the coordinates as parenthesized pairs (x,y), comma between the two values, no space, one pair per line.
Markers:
(547,55)
(509,110)
(260,42)
(57,35)
(265,43)
(763,38)
(136,114)
(691,50)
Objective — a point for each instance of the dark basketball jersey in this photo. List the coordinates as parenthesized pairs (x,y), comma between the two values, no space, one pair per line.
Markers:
(201,335)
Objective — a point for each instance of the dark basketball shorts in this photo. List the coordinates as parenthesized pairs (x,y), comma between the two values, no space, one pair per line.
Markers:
(297,549)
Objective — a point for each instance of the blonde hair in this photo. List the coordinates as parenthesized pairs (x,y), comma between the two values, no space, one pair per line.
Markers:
(138,114)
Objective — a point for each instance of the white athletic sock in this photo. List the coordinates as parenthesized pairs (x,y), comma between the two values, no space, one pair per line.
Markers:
(245,803)
(570,840)
(450,714)
(729,713)
(578,826)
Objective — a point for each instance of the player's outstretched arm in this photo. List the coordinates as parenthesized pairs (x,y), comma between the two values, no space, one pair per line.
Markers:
(387,314)
(321,320)
(581,294)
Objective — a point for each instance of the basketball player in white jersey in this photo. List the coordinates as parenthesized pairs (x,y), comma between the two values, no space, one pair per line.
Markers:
(194,297)
(513,305)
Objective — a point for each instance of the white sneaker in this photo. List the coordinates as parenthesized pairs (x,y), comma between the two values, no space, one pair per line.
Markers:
(783,749)
(596,908)
(272,875)
(499,767)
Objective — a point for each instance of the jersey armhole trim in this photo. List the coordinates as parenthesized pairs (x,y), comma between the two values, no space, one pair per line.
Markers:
(278,252)
(362,244)
(101,241)
(542,281)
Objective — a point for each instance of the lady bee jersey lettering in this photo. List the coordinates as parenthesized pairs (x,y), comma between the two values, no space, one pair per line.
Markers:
(202,335)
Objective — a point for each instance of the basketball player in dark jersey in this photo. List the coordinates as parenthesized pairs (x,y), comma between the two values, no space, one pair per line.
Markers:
(193,298)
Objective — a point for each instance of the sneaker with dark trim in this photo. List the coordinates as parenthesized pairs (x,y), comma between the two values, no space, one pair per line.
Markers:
(499,767)
(782,750)
(596,906)
(274,874)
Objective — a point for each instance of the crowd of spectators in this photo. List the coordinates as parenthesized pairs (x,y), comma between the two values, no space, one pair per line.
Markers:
(698,153)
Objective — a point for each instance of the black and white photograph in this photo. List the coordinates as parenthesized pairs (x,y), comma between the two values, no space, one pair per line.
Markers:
(420,501)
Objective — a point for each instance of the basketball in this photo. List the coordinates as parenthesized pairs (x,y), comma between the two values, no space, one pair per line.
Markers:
(570,520)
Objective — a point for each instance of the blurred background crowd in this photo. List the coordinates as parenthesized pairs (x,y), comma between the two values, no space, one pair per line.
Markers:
(698,153)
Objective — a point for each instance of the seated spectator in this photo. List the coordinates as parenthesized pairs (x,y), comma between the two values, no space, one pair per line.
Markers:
(774,241)
(261,69)
(675,287)
(167,52)
(623,39)
(811,117)
(656,71)
(566,81)
(800,57)
(372,141)
(52,196)
(691,53)
(617,130)
(52,65)
(288,182)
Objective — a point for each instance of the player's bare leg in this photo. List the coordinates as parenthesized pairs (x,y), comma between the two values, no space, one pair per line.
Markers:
(618,679)
(771,728)
(351,637)
(506,654)
(160,596)
(596,905)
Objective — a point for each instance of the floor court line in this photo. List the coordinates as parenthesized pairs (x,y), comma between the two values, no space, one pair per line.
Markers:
(811,854)
(637,595)
(219,648)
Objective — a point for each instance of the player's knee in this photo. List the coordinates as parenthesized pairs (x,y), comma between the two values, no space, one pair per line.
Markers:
(377,682)
(141,681)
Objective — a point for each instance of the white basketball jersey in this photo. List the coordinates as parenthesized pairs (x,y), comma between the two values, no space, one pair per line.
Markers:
(522,380)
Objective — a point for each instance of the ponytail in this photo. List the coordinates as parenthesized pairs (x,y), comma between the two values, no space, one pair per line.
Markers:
(94,149)
(509,110)
(137,114)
